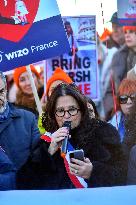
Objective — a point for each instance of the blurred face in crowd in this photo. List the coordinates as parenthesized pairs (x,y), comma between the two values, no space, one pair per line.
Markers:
(3,93)
(130,39)
(118,34)
(24,83)
(67,109)
(54,85)
(126,102)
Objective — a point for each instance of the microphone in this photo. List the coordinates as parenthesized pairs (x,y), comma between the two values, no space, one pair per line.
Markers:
(65,141)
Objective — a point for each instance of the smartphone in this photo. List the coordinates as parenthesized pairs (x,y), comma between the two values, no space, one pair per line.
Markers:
(77,154)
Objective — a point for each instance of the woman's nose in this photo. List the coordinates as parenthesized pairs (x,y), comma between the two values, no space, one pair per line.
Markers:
(67,115)
(129,100)
(27,81)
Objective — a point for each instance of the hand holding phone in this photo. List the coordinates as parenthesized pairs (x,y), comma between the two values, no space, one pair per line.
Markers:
(77,154)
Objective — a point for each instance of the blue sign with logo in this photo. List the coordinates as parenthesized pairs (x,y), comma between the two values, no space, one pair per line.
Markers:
(30,31)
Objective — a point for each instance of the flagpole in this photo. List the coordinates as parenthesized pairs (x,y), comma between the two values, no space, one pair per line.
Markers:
(36,97)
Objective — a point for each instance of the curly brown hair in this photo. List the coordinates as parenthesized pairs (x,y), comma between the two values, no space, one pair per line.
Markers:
(63,89)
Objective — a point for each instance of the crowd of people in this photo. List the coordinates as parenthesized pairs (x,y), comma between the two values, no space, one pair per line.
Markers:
(31,144)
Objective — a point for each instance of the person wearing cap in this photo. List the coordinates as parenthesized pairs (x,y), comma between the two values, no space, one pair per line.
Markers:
(59,76)
(105,56)
(24,96)
(116,38)
(19,134)
(125,58)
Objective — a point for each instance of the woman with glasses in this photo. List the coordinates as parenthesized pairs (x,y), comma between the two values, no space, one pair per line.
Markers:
(102,162)
(126,96)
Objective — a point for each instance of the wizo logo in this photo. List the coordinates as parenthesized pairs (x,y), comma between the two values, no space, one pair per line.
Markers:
(17,54)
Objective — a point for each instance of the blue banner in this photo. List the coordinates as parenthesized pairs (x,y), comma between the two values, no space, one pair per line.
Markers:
(119,195)
(30,32)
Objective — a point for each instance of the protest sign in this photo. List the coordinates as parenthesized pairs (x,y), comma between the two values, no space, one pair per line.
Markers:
(127,12)
(81,62)
(30,31)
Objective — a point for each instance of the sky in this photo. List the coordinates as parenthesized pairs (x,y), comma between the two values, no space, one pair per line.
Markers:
(51,10)
(90,7)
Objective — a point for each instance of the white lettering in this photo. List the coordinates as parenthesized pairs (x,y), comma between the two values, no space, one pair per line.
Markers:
(17,54)
(10,55)
(20,53)
(25,51)
(33,48)
(55,43)
(44,46)
(41,47)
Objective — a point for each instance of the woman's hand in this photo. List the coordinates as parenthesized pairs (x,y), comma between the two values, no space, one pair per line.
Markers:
(57,138)
(81,168)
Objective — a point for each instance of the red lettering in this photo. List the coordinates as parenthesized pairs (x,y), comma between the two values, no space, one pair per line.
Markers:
(85,88)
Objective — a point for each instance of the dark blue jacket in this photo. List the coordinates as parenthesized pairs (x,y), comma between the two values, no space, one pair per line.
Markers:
(19,135)
(7,172)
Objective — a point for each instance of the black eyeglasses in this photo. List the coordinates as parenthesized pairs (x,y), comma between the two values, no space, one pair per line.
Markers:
(124,98)
(72,112)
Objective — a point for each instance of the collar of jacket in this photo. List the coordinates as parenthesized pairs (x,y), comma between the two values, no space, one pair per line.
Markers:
(124,48)
(14,113)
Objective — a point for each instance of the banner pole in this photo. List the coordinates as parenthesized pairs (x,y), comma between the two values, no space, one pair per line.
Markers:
(36,97)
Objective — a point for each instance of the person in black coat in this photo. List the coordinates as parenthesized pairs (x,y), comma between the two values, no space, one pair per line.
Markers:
(103,163)
(131,175)
(129,144)
(130,134)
